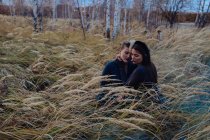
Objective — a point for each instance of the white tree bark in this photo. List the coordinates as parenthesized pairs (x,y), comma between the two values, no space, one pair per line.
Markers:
(93,13)
(125,20)
(54,10)
(11,8)
(108,19)
(148,13)
(35,14)
(116,19)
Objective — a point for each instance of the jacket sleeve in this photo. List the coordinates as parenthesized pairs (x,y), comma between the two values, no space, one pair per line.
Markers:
(136,78)
(106,71)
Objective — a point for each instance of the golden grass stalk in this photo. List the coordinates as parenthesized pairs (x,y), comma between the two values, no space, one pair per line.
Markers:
(136,113)
(75,91)
(9,104)
(122,123)
(32,99)
(10,135)
(205,130)
(36,103)
(92,82)
(140,121)
(199,93)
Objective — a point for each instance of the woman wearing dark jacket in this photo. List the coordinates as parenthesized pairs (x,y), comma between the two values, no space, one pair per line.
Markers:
(145,75)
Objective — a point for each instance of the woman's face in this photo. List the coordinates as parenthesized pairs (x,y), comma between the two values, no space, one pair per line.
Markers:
(125,54)
(137,57)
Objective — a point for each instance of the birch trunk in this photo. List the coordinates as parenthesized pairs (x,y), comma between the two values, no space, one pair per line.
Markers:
(125,20)
(93,14)
(40,19)
(108,19)
(35,14)
(148,14)
(81,21)
(54,10)
(116,19)
(12,9)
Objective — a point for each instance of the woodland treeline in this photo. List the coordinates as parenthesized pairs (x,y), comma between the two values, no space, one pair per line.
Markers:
(116,15)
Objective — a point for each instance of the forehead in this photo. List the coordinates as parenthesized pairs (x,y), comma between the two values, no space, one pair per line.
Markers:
(125,49)
(135,51)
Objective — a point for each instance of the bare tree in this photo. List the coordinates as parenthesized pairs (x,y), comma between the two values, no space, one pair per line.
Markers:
(201,18)
(148,12)
(19,7)
(125,9)
(81,19)
(12,7)
(117,11)
(170,9)
(54,10)
(38,15)
(139,6)
(108,19)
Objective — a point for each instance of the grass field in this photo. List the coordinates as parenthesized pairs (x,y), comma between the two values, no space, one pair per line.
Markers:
(49,80)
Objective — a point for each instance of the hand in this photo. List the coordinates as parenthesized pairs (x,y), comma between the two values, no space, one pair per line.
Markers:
(118,57)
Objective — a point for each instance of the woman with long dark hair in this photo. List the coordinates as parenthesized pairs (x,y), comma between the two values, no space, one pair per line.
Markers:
(145,74)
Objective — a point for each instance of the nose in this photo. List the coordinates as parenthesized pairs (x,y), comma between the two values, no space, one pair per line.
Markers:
(132,58)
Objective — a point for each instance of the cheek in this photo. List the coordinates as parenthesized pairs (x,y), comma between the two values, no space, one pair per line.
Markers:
(122,54)
(139,59)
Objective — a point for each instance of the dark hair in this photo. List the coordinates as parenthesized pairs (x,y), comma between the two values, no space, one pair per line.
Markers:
(142,48)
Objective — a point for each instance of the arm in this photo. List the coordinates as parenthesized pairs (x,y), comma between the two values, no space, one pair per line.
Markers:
(136,78)
(106,71)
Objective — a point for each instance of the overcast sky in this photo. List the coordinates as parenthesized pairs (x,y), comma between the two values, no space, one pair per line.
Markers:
(191,8)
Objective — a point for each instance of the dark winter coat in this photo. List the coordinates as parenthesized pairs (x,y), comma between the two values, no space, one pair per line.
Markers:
(143,76)
(120,71)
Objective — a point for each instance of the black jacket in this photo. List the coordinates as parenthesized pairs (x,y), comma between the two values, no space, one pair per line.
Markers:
(143,76)
(120,71)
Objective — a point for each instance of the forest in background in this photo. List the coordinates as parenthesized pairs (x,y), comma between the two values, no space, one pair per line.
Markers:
(116,16)
(49,80)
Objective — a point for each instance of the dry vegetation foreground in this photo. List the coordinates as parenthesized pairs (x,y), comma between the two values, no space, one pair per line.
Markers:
(48,84)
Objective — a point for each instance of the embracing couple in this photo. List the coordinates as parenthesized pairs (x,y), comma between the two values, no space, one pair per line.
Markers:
(132,68)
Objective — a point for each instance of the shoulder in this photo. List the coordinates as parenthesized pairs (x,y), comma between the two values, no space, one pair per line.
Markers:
(110,63)
(140,68)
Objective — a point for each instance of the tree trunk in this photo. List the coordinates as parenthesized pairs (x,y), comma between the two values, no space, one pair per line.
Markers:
(198,14)
(125,20)
(81,22)
(108,19)
(116,19)
(35,14)
(41,19)
(54,10)
(148,14)
(205,17)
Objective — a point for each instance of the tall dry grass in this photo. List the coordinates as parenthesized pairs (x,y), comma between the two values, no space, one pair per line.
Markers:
(50,81)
